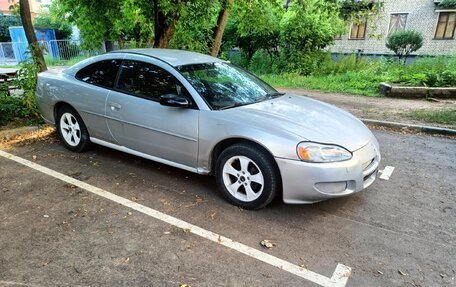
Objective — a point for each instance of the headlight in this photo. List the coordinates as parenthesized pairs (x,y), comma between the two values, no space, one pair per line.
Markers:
(314,152)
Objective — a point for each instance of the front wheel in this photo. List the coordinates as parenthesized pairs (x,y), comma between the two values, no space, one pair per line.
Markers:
(72,130)
(247,176)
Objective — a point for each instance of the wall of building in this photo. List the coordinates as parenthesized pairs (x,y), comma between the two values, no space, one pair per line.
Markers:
(35,6)
(422,17)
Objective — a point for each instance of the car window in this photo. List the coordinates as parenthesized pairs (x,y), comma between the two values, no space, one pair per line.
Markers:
(148,81)
(101,73)
(223,85)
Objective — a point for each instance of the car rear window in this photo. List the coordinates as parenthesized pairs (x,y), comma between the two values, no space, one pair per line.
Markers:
(101,73)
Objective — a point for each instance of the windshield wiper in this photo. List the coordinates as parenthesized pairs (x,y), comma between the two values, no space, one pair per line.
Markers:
(265,97)
(233,106)
(274,94)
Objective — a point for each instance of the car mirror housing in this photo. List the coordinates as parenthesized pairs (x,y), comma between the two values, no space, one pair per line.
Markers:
(173,100)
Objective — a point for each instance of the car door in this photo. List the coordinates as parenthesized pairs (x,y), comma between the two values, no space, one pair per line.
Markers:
(139,122)
(93,84)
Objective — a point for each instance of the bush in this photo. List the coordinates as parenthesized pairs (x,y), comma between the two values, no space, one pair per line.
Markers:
(12,107)
(403,43)
(448,4)
(22,103)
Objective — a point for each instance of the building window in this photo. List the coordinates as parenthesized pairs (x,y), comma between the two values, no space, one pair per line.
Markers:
(397,23)
(358,31)
(445,26)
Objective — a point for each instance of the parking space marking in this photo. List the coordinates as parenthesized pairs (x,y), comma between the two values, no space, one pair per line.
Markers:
(387,172)
(338,279)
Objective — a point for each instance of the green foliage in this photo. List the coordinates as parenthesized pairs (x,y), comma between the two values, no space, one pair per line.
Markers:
(61,27)
(133,20)
(289,39)
(22,102)
(363,76)
(305,30)
(194,30)
(7,21)
(254,25)
(11,107)
(403,43)
(448,4)
(443,116)
(26,81)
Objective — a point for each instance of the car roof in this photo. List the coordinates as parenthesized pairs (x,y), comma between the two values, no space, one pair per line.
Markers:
(172,56)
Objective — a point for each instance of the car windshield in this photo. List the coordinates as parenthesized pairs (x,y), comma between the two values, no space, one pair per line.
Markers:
(223,85)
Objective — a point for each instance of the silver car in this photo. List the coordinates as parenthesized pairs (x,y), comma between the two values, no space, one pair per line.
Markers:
(208,116)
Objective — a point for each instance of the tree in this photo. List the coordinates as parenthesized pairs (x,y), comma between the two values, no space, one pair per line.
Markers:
(144,21)
(35,49)
(254,25)
(220,27)
(7,21)
(306,28)
(195,29)
(403,43)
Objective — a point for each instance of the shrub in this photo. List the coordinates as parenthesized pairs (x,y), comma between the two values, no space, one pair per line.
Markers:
(448,4)
(12,107)
(403,43)
(447,79)
(20,105)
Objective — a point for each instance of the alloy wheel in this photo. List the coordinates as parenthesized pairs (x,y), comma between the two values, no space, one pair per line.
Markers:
(243,178)
(70,129)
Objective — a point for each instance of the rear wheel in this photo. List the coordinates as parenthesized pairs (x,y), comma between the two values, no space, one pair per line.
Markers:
(247,176)
(72,130)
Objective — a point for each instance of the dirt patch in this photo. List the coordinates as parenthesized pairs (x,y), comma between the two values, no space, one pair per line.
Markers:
(44,134)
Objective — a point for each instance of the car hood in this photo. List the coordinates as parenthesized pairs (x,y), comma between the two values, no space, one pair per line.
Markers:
(309,119)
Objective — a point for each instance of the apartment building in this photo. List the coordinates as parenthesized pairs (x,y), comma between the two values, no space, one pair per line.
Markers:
(436,24)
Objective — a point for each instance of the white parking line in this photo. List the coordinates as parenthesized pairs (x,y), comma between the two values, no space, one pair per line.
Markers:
(387,172)
(338,279)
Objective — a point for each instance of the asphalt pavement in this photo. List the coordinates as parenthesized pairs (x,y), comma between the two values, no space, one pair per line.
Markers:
(398,232)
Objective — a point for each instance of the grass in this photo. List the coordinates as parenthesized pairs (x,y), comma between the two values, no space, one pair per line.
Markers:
(50,61)
(360,76)
(342,83)
(444,116)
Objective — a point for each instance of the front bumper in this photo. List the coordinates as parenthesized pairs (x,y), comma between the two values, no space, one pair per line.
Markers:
(304,182)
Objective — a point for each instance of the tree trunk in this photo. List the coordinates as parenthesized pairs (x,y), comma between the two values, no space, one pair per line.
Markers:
(34,47)
(164,27)
(165,34)
(220,28)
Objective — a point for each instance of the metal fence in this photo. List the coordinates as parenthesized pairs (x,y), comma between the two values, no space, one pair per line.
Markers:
(55,51)
(7,56)
(58,52)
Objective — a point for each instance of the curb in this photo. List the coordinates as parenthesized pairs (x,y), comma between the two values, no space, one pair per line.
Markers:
(8,134)
(419,128)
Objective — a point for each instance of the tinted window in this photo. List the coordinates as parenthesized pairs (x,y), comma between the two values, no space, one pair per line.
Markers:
(101,73)
(147,81)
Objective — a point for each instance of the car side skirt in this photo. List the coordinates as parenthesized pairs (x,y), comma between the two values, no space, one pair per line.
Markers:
(147,156)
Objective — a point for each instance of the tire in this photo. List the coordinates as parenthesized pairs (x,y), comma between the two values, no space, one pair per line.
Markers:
(247,176)
(71,130)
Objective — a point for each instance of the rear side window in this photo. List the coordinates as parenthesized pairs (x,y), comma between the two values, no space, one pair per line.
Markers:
(101,73)
(147,81)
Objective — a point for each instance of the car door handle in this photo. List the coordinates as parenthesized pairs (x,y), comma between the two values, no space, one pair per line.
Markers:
(115,106)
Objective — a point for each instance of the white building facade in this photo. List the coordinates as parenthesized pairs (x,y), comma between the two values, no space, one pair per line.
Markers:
(437,25)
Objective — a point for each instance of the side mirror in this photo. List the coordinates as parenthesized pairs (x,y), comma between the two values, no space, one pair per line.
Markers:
(173,100)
